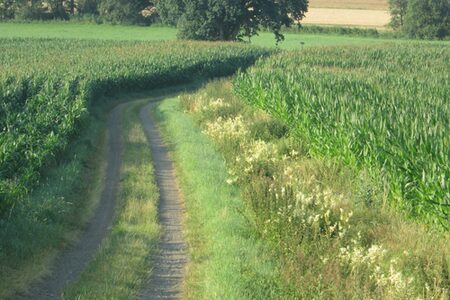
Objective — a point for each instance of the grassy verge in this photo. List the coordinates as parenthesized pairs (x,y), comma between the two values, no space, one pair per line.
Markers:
(227,260)
(122,264)
(325,222)
(54,215)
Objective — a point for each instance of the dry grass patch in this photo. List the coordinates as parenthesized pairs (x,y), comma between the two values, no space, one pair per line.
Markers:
(350,4)
(347,17)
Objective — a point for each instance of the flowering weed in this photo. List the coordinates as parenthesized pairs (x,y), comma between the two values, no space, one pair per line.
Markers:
(327,223)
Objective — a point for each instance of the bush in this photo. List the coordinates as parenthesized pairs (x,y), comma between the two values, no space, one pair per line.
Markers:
(339,30)
(123,11)
(428,19)
(170,11)
(7,9)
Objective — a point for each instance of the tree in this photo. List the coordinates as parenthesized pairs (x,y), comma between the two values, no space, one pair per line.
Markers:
(57,10)
(88,7)
(398,9)
(72,7)
(232,19)
(29,10)
(170,11)
(123,11)
(7,9)
(428,18)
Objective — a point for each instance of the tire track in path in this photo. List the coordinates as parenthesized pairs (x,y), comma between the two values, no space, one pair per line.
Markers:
(75,259)
(170,260)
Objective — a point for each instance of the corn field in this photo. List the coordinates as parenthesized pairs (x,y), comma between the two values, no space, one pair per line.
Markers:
(47,87)
(384,108)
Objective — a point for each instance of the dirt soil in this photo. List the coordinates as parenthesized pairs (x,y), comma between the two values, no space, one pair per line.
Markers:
(170,261)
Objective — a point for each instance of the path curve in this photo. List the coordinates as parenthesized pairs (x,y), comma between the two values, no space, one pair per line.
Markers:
(74,260)
(170,260)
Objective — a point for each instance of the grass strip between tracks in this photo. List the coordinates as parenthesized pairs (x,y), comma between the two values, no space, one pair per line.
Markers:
(226,260)
(122,264)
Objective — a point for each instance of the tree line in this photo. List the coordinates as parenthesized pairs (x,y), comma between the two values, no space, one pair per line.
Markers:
(222,19)
(421,18)
(140,12)
(195,19)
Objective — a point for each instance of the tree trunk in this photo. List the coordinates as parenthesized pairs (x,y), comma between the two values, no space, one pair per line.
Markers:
(221,31)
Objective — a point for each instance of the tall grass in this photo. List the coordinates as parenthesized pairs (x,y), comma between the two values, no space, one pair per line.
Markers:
(326,222)
(226,259)
(384,108)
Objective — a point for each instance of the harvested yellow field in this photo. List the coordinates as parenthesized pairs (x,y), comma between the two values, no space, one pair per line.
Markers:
(347,17)
(350,4)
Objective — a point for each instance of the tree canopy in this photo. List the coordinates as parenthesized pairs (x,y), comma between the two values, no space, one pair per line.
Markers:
(230,19)
(428,18)
(425,19)
(114,11)
(398,11)
(123,11)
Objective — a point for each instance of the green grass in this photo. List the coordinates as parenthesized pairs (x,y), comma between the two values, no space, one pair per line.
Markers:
(158,33)
(226,260)
(122,264)
(86,31)
(293,40)
(121,32)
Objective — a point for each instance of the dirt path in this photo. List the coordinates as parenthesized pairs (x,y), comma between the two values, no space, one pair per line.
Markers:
(74,260)
(170,261)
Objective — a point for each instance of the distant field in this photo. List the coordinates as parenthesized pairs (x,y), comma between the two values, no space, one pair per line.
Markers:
(358,13)
(294,40)
(86,31)
(351,4)
(118,32)
(347,17)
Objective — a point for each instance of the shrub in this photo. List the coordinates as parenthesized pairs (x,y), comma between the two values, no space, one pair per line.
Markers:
(428,19)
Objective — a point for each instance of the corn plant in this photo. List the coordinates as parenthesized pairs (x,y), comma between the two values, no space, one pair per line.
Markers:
(384,108)
(47,86)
